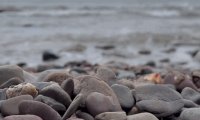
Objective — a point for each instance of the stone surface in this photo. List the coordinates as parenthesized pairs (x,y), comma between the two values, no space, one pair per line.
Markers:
(10,82)
(124,96)
(22,117)
(73,106)
(106,75)
(127,83)
(97,103)
(89,84)
(68,86)
(56,92)
(84,115)
(111,116)
(21,89)
(51,102)
(142,116)
(39,109)
(10,106)
(191,94)
(196,77)
(9,71)
(49,56)
(190,114)
(160,100)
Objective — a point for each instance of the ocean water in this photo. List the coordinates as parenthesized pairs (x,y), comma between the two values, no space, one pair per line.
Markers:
(28,27)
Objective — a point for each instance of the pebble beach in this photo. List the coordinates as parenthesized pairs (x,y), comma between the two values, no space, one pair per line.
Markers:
(99,60)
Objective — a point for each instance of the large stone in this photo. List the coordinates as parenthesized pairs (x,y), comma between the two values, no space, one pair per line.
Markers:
(142,116)
(84,115)
(190,114)
(124,96)
(68,86)
(21,89)
(39,109)
(97,103)
(22,117)
(111,116)
(10,106)
(11,82)
(191,94)
(89,84)
(160,100)
(9,71)
(106,75)
(51,102)
(56,92)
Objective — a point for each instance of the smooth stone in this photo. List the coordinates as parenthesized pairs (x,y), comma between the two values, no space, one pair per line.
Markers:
(106,75)
(111,116)
(10,82)
(97,103)
(73,106)
(28,77)
(127,83)
(21,89)
(37,108)
(10,106)
(190,114)
(160,100)
(57,77)
(74,118)
(51,102)
(57,93)
(124,96)
(84,115)
(189,104)
(144,52)
(40,85)
(68,86)
(49,56)
(191,94)
(88,84)
(22,117)
(142,116)
(9,71)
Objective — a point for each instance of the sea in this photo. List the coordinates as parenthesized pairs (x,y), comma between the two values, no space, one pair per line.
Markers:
(73,28)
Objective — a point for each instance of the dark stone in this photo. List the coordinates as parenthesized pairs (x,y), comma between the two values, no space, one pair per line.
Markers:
(68,86)
(49,56)
(51,102)
(84,115)
(160,100)
(10,106)
(10,82)
(124,96)
(56,92)
(39,109)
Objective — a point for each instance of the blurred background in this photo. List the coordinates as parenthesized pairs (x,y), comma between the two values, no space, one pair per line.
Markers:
(155,32)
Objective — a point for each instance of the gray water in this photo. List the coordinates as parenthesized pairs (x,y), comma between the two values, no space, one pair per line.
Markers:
(28,27)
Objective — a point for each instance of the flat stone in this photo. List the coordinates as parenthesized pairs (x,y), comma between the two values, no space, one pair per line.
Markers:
(124,96)
(57,93)
(190,114)
(39,109)
(89,84)
(9,71)
(51,102)
(10,82)
(111,116)
(191,94)
(97,103)
(142,116)
(160,100)
(22,117)
(10,106)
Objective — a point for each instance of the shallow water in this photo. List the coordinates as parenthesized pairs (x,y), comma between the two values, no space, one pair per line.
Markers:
(29,27)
